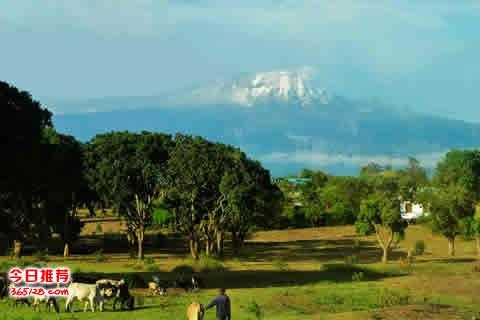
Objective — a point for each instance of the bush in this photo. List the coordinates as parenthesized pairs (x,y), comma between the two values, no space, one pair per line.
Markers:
(389,298)
(210,264)
(419,247)
(254,308)
(358,276)
(350,260)
(41,255)
(363,228)
(280,265)
(150,264)
(99,256)
(162,217)
(357,244)
(76,270)
(98,228)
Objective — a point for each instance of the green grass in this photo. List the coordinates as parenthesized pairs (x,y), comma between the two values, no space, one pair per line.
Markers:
(296,274)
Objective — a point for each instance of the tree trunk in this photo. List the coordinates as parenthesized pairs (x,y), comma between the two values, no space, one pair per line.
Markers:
(194,248)
(220,244)
(235,243)
(66,250)
(451,246)
(140,237)
(17,248)
(477,240)
(91,210)
(385,254)
(207,247)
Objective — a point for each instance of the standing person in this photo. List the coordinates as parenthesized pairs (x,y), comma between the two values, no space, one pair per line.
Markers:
(222,304)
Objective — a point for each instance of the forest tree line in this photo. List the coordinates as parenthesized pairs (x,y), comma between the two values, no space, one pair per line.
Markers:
(211,191)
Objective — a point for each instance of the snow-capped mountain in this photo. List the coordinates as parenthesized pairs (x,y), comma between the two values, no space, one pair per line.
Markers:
(282,119)
(283,86)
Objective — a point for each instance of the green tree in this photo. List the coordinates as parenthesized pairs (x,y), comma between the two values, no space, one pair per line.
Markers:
(64,181)
(249,198)
(23,120)
(380,214)
(127,170)
(455,193)
(412,179)
(194,172)
(462,168)
(214,189)
(449,207)
(471,229)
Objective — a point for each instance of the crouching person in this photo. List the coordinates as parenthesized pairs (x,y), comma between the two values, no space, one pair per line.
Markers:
(222,305)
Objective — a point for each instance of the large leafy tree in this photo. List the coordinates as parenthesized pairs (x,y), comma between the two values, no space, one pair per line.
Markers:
(455,193)
(215,189)
(380,214)
(462,168)
(450,206)
(127,170)
(250,198)
(64,185)
(195,170)
(23,120)
(412,179)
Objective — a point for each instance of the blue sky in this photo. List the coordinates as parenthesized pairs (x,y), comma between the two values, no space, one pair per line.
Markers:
(420,54)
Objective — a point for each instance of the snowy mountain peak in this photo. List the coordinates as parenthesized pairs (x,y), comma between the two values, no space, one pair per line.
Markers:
(265,87)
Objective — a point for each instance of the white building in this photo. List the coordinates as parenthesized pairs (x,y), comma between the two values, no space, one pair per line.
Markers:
(411,211)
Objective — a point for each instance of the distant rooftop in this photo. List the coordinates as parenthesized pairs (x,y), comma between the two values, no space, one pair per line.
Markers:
(296,181)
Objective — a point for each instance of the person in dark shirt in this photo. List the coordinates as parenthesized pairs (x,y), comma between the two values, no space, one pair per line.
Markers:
(222,304)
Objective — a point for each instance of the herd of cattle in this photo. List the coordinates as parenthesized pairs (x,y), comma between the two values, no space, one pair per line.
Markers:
(94,295)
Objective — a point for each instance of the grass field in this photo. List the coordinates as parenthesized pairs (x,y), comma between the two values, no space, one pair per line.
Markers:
(322,273)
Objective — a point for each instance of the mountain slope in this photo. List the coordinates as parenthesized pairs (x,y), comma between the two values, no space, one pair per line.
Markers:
(281,119)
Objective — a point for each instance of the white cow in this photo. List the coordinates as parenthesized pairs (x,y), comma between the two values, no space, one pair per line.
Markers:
(84,292)
(49,301)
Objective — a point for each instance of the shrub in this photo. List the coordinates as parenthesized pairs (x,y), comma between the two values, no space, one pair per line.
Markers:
(357,245)
(150,265)
(210,264)
(350,260)
(280,265)
(138,266)
(6,265)
(419,247)
(162,217)
(363,228)
(254,308)
(389,298)
(98,228)
(76,270)
(358,276)
(41,255)
(99,256)
(332,299)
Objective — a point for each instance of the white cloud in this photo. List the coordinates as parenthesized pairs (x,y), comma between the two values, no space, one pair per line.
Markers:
(387,36)
(318,159)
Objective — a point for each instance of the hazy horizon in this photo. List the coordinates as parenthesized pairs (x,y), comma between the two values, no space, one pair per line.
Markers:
(420,55)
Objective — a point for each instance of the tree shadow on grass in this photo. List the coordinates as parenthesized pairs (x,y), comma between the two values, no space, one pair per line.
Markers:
(319,250)
(448,260)
(238,279)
